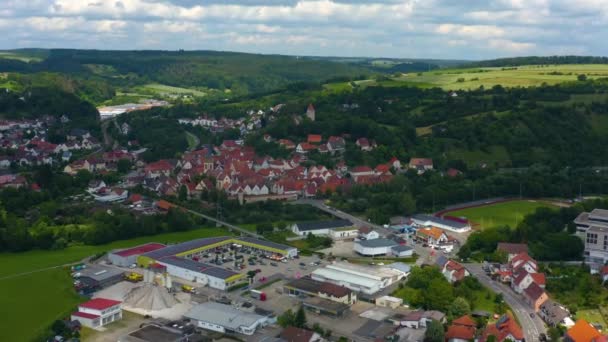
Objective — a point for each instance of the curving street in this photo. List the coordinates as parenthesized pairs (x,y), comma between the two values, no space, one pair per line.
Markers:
(532,327)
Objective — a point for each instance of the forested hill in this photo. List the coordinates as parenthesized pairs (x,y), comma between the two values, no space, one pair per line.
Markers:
(235,72)
(539,60)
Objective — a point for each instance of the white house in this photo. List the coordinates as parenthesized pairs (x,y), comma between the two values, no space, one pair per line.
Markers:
(367,233)
(98,312)
(454,224)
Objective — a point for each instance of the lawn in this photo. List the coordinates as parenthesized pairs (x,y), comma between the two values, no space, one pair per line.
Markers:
(31,302)
(591,316)
(500,214)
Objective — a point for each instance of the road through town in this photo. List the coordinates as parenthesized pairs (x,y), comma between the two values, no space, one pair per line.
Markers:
(532,326)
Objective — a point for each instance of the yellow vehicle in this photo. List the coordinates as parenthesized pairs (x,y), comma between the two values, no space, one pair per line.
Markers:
(187,288)
(134,277)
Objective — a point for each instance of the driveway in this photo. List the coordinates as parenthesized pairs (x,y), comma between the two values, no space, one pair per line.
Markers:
(532,327)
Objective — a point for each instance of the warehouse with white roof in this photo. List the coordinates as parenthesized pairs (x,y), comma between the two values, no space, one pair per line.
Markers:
(226,319)
(365,279)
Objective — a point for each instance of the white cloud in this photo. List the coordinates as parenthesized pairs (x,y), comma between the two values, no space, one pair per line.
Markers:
(393,28)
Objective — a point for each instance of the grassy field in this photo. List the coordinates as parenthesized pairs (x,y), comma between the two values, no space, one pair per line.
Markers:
(591,316)
(494,155)
(500,214)
(522,76)
(169,90)
(473,78)
(31,302)
(19,57)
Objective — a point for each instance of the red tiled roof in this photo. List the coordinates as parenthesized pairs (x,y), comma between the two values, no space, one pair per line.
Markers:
(84,315)
(460,332)
(162,204)
(334,290)
(512,248)
(534,291)
(538,278)
(140,249)
(314,138)
(361,169)
(293,334)
(421,162)
(582,331)
(465,320)
(99,304)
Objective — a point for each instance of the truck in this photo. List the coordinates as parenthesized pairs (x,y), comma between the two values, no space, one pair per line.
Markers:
(257,294)
(188,288)
(78,267)
(134,277)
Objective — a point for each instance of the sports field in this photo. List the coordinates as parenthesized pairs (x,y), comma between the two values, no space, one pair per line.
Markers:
(500,214)
(31,302)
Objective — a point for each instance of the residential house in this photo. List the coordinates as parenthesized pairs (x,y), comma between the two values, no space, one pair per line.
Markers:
(555,314)
(293,334)
(304,148)
(314,139)
(359,171)
(462,329)
(367,233)
(364,144)
(583,331)
(535,296)
(512,249)
(421,165)
(287,144)
(454,272)
(506,328)
(336,144)
(525,279)
(432,236)
(522,262)
(158,169)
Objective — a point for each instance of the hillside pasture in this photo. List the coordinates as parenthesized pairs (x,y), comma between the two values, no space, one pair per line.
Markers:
(508,213)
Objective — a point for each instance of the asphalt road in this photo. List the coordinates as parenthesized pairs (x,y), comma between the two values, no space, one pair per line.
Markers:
(532,327)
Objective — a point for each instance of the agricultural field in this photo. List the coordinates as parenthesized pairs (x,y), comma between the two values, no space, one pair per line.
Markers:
(50,291)
(165,90)
(500,214)
(522,76)
(473,78)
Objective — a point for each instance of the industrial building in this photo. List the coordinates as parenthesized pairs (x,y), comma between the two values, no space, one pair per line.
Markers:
(98,312)
(309,287)
(226,319)
(181,260)
(377,247)
(128,257)
(454,224)
(202,273)
(365,279)
(96,277)
(320,227)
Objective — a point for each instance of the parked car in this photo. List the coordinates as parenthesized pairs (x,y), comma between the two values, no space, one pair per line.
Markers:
(302,264)
(274,264)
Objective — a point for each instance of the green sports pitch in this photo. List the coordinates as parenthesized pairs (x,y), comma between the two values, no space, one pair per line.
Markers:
(500,214)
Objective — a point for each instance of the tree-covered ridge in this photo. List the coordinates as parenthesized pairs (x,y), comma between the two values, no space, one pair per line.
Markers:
(238,72)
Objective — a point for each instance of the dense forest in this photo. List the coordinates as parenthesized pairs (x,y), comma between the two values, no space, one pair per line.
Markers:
(239,73)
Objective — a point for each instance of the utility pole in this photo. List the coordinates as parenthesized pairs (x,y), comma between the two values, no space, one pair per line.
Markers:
(520,190)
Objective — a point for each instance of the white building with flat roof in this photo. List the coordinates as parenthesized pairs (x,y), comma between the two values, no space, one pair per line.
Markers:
(597,218)
(225,318)
(365,279)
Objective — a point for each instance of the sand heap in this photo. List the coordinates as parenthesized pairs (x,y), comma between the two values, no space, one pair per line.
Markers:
(150,297)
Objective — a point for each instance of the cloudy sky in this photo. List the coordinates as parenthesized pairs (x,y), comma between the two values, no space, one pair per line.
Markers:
(449,29)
